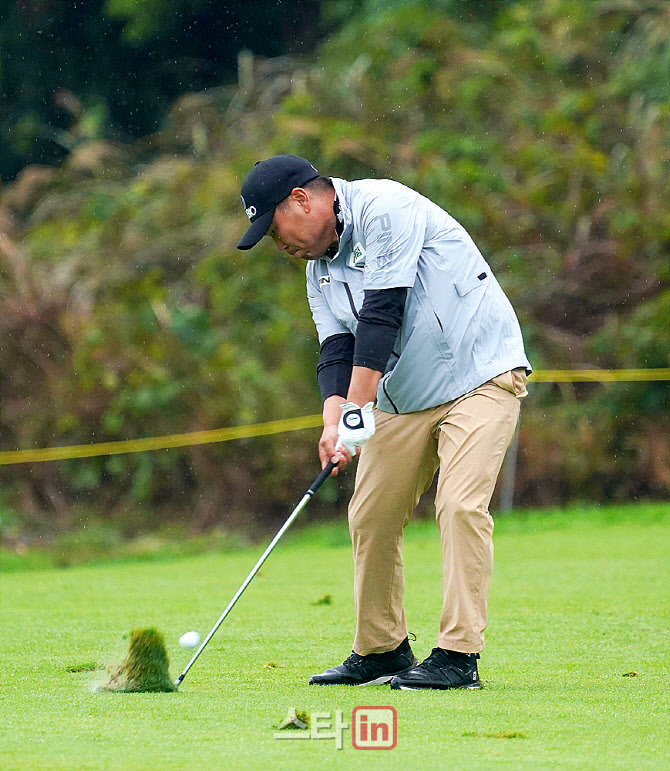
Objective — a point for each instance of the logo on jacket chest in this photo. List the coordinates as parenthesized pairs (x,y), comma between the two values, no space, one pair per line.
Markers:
(357,257)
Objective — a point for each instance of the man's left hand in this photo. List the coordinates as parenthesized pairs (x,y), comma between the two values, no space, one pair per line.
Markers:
(356,427)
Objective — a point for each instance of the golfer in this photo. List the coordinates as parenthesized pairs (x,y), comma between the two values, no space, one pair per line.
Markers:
(411,318)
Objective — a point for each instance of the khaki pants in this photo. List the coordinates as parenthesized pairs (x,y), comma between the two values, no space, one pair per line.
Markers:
(466,439)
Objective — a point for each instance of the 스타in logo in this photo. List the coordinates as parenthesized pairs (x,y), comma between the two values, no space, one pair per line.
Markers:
(372,728)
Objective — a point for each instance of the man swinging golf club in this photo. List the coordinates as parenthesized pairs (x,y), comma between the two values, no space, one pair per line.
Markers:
(409,316)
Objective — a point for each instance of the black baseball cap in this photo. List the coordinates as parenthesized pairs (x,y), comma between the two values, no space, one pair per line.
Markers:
(266,185)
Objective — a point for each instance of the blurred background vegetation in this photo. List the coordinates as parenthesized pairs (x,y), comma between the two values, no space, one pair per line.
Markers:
(125,130)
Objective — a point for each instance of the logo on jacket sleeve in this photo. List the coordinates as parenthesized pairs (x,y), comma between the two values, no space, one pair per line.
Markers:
(324,280)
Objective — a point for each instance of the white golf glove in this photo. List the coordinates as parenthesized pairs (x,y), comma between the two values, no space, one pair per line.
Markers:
(356,426)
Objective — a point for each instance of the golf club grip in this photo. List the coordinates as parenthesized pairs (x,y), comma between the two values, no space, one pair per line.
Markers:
(322,477)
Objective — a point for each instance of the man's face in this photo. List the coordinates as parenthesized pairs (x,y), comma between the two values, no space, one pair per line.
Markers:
(304,225)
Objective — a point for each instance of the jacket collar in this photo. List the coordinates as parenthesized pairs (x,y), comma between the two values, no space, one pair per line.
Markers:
(345,215)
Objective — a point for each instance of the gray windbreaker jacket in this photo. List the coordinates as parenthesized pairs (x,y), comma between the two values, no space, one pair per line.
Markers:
(459,329)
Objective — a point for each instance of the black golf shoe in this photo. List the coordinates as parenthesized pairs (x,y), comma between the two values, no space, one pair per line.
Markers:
(373,669)
(441,670)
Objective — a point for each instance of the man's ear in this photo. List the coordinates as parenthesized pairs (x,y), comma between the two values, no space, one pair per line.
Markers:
(301,197)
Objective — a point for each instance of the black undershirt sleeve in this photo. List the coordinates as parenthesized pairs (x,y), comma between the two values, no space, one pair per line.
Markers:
(379,321)
(333,372)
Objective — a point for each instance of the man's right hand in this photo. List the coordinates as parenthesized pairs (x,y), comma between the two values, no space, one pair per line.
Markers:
(327,452)
(328,442)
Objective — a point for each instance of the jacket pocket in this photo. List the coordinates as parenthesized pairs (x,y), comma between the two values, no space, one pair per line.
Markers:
(463,287)
(429,323)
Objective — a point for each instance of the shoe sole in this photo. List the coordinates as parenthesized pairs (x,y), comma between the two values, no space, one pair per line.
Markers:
(377,681)
(438,688)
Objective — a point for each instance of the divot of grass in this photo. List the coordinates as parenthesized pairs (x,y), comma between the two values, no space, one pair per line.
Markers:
(82,668)
(146,668)
(295,720)
(497,735)
(327,599)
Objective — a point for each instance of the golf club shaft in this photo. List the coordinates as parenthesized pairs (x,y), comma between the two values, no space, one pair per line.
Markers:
(316,484)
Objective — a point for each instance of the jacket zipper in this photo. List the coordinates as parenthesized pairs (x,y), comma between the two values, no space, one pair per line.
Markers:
(355,312)
(351,301)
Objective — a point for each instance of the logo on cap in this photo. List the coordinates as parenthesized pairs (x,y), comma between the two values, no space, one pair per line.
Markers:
(249,210)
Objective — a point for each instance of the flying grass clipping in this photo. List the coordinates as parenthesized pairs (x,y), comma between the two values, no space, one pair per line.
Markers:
(146,668)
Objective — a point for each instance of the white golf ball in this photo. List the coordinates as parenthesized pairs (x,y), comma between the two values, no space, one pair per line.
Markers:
(189,640)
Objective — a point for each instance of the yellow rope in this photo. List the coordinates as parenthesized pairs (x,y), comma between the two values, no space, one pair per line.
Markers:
(290,424)
(160,442)
(598,375)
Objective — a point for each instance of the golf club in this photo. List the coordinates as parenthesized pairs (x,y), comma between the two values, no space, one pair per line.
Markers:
(316,484)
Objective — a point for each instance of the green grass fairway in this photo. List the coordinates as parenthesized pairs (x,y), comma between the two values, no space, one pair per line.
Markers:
(580,601)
